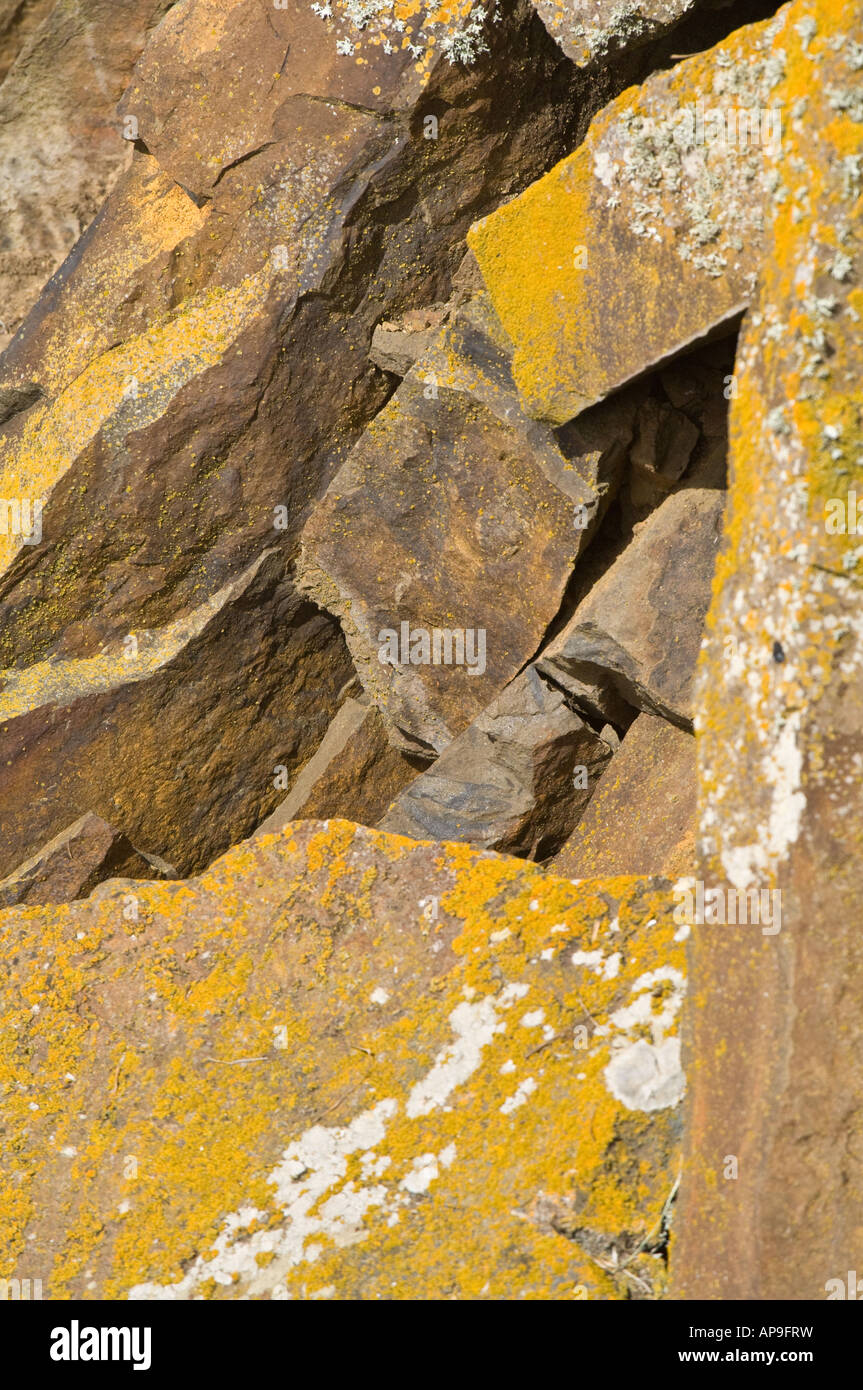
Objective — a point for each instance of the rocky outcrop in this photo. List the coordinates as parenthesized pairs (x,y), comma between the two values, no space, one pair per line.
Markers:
(75,861)
(382,1097)
(516,780)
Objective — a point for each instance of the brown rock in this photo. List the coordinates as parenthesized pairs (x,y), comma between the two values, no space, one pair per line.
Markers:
(638,632)
(516,780)
(454,512)
(354,773)
(61,142)
(641,818)
(201,363)
(75,861)
(397,346)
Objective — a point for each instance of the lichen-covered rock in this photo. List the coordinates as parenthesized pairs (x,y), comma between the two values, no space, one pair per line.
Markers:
(331,1067)
(454,513)
(516,780)
(642,816)
(355,772)
(61,143)
(637,634)
(589,30)
(75,861)
(649,236)
(774,1035)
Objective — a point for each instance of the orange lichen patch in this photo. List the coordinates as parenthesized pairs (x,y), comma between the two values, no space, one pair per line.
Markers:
(647,236)
(290,1078)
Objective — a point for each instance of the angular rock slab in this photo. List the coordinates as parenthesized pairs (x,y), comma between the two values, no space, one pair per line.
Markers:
(637,634)
(774,1030)
(75,861)
(641,818)
(354,773)
(453,512)
(516,780)
(648,237)
(330,1068)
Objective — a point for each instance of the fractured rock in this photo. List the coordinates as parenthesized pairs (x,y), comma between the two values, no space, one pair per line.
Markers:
(515,780)
(75,861)
(355,773)
(375,1120)
(454,513)
(397,346)
(672,189)
(642,817)
(637,633)
(589,30)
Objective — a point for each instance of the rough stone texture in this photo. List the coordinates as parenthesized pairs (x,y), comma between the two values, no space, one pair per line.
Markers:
(588,30)
(645,239)
(200,362)
(455,511)
(509,781)
(397,346)
(642,816)
(161,739)
(774,1033)
(75,861)
(354,773)
(61,142)
(374,1121)
(638,632)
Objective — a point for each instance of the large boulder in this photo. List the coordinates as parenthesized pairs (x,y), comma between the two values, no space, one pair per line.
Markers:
(374,1122)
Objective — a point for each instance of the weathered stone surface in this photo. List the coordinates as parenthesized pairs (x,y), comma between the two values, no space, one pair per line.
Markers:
(638,632)
(354,773)
(397,346)
(75,861)
(589,30)
(155,734)
(642,816)
(649,236)
(455,512)
(774,1031)
(201,368)
(373,1118)
(516,780)
(61,142)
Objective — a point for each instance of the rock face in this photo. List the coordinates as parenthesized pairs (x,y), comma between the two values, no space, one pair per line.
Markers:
(374,1121)
(588,32)
(637,634)
(774,1041)
(642,815)
(75,861)
(61,143)
(516,780)
(195,373)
